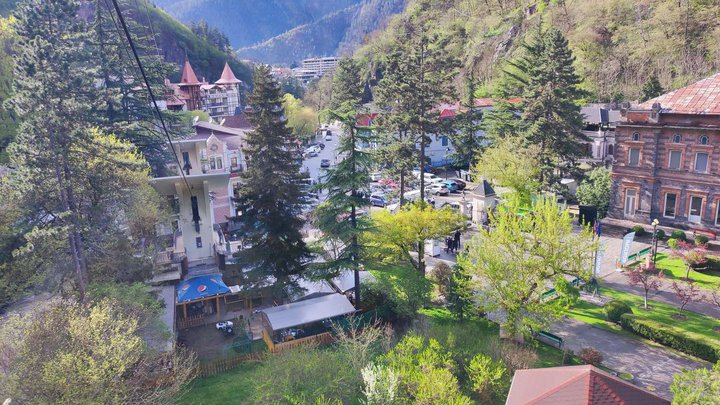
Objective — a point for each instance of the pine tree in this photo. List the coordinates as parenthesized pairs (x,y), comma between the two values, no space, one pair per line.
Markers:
(551,117)
(651,88)
(463,133)
(270,196)
(348,181)
(417,77)
(460,294)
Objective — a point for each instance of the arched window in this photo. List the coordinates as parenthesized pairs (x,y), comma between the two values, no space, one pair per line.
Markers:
(677,138)
(703,140)
(636,136)
(610,149)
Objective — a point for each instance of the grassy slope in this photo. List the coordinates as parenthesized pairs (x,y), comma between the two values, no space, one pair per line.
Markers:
(618,43)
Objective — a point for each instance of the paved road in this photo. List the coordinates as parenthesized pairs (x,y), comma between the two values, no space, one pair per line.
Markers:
(653,367)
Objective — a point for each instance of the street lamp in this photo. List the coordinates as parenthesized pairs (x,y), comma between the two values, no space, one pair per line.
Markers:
(447,152)
(655,224)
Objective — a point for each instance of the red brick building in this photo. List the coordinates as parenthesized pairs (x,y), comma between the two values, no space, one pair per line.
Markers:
(668,159)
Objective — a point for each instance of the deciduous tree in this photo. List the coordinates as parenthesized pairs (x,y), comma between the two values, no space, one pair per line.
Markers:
(302,120)
(510,164)
(514,261)
(687,292)
(649,278)
(595,190)
(691,254)
(696,387)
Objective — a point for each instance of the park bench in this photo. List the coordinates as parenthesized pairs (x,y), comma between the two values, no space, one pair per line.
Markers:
(548,294)
(549,338)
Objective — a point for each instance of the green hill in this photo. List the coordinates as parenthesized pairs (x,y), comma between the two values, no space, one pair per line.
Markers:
(618,44)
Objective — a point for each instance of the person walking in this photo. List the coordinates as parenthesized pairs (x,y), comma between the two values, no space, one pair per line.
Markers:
(457,239)
(448,244)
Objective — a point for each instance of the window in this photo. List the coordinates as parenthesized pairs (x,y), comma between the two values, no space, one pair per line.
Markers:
(670,201)
(630,198)
(444,141)
(636,136)
(219,163)
(703,140)
(694,215)
(677,138)
(610,149)
(233,162)
(634,157)
(701,162)
(212,164)
(674,159)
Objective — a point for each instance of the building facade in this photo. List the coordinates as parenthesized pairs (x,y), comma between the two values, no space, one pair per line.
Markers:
(222,98)
(314,68)
(600,123)
(668,159)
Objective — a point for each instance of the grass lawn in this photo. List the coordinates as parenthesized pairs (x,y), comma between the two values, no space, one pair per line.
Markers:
(232,387)
(594,315)
(676,269)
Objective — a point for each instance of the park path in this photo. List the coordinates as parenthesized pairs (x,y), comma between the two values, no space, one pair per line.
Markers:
(653,367)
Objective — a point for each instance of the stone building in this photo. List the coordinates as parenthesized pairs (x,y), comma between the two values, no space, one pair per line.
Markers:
(668,159)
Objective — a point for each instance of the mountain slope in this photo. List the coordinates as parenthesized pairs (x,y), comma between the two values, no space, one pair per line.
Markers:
(334,34)
(248,22)
(618,44)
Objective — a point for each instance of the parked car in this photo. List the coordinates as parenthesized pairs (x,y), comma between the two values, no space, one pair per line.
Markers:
(312,154)
(437,189)
(321,145)
(325,163)
(328,138)
(451,185)
(226,327)
(461,184)
(313,148)
(377,176)
(377,201)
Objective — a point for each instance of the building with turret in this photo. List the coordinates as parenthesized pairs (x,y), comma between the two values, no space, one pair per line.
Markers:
(223,98)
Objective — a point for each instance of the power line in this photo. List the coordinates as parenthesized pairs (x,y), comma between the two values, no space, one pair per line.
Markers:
(152,96)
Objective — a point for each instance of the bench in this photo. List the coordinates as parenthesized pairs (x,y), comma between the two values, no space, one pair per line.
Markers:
(553,339)
(710,234)
(548,294)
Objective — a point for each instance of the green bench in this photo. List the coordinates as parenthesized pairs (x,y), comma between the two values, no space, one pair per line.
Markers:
(554,339)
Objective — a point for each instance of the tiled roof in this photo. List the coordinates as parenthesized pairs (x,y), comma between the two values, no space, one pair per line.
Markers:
(702,97)
(575,385)
(227,77)
(237,121)
(188,74)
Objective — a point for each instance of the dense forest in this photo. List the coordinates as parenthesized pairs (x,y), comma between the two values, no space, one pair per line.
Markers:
(618,44)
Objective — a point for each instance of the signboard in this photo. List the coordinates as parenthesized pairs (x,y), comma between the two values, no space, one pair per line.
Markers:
(626,245)
(598,259)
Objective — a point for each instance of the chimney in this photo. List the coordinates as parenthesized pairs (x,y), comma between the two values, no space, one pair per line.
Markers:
(655,111)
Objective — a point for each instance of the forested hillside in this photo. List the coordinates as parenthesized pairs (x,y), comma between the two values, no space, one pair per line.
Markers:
(618,44)
(247,22)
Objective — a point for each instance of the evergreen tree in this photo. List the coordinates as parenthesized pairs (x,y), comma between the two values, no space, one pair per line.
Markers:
(651,88)
(270,196)
(348,180)
(459,294)
(463,133)
(551,117)
(418,76)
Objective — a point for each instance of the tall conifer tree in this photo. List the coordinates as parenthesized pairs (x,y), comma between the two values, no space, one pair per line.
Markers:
(348,180)
(270,197)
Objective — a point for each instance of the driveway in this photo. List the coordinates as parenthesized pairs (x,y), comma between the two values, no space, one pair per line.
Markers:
(653,367)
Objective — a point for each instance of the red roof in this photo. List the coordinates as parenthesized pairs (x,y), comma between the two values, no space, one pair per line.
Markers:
(575,385)
(188,75)
(227,77)
(366,120)
(702,97)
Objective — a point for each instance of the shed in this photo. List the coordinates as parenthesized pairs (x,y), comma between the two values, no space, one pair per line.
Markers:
(307,311)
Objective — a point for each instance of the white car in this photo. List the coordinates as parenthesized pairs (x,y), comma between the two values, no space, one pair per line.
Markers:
(437,189)
(328,138)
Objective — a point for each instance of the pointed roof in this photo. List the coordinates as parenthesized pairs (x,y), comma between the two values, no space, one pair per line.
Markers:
(701,97)
(483,189)
(227,77)
(188,74)
(575,385)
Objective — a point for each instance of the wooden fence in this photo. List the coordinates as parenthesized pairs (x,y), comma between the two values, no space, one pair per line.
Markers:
(223,365)
(191,322)
(321,339)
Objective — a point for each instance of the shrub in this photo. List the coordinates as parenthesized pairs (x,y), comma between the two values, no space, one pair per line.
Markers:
(701,239)
(678,234)
(660,234)
(489,378)
(590,355)
(639,230)
(441,275)
(569,294)
(663,334)
(673,243)
(615,309)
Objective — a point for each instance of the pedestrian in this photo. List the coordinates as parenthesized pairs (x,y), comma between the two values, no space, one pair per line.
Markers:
(457,239)
(448,244)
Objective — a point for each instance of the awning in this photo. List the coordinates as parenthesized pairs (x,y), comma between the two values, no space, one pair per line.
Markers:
(200,287)
(308,311)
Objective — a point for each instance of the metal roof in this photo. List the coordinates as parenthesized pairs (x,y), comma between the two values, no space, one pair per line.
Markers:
(308,311)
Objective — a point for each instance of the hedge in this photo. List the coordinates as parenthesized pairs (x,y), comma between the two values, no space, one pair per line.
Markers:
(615,309)
(661,333)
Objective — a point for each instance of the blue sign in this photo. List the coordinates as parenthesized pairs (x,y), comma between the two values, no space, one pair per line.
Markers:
(626,245)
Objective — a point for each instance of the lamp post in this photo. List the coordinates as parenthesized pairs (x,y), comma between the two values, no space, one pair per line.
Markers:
(447,152)
(655,224)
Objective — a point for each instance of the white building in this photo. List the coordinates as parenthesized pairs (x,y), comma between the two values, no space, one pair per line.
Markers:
(314,68)
(600,122)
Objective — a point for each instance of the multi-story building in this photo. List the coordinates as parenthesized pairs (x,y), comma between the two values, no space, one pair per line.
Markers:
(600,123)
(668,159)
(222,98)
(314,68)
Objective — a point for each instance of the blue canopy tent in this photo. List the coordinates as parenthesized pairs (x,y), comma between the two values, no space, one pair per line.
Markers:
(202,288)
